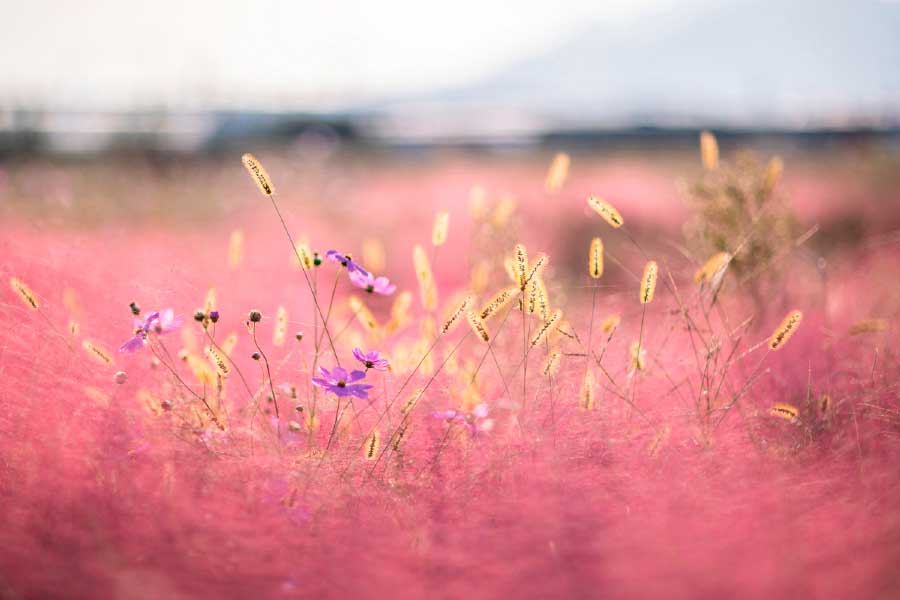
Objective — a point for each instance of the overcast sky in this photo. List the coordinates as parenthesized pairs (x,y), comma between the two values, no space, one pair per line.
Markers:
(313,54)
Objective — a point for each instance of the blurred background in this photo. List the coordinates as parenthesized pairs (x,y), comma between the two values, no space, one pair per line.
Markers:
(201,77)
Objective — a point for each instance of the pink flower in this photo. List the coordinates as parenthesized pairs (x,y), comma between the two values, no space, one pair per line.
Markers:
(371,359)
(370,283)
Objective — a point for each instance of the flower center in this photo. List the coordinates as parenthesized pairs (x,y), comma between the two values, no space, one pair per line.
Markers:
(369,364)
(342,384)
(370,288)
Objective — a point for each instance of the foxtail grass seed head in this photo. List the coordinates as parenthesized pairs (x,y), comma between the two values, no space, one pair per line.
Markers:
(478,326)
(709,151)
(24,292)
(503,211)
(279,332)
(785,330)
(229,343)
(558,172)
(478,203)
(823,407)
(372,444)
(637,355)
(546,327)
(209,304)
(498,302)
(536,269)
(551,364)
(773,173)
(304,255)
(74,328)
(411,402)
(454,318)
(542,298)
(427,287)
(587,391)
(439,232)
(713,269)
(869,326)
(610,323)
(363,314)
(401,435)
(235,249)
(258,173)
(218,361)
(606,211)
(520,257)
(97,352)
(648,282)
(788,412)
(595,258)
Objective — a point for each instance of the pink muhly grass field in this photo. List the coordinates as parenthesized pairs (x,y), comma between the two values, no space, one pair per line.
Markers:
(678,481)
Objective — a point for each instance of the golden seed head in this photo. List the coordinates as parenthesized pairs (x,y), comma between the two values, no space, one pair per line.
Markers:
(868,326)
(595,258)
(229,343)
(785,330)
(498,302)
(587,391)
(788,412)
(303,254)
(520,258)
(535,270)
(97,352)
(503,211)
(280,330)
(648,282)
(610,323)
(824,406)
(363,314)
(370,448)
(478,326)
(709,151)
(439,232)
(427,286)
(24,292)
(558,172)
(551,365)
(773,173)
(453,319)
(607,211)
(713,269)
(258,173)
(218,361)
(546,327)
(637,355)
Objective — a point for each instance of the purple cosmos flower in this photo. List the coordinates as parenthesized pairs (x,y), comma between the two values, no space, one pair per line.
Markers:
(156,322)
(340,383)
(345,260)
(474,421)
(371,360)
(370,283)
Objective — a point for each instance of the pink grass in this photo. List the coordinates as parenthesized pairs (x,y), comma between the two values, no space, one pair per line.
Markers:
(105,500)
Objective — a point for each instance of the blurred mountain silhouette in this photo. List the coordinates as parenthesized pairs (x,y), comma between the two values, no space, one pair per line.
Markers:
(757,64)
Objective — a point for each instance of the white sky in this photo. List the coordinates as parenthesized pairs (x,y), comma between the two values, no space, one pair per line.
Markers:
(125,53)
